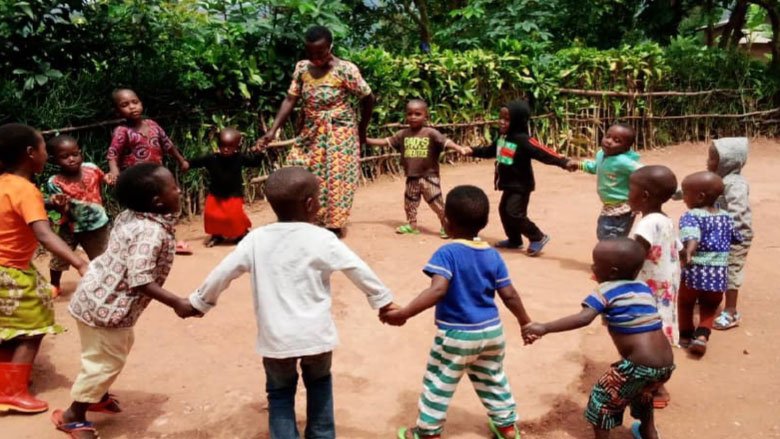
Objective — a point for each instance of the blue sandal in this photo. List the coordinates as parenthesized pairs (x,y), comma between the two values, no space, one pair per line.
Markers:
(635,430)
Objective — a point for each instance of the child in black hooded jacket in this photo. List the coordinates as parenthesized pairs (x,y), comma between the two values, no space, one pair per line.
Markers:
(513,150)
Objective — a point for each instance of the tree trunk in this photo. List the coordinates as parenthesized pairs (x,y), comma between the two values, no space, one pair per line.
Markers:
(424,23)
(710,28)
(732,32)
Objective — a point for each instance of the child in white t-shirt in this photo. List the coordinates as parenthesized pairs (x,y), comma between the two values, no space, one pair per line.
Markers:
(649,188)
(291,262)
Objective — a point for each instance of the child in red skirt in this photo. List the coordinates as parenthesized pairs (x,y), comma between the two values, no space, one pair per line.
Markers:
(224,217)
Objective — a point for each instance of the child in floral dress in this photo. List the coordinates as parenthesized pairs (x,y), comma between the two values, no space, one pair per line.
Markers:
(649,188)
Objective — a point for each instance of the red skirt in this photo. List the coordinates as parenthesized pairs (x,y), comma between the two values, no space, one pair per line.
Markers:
(226,217)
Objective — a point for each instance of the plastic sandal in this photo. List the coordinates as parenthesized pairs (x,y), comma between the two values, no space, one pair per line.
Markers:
(535,247)
(635,430)
(726,321)
(443,234)
(108,406)
(182,248)
(499,434)
(698,347)
(72,427)
(407,229)
(411,433)
(508,245)
(55,292)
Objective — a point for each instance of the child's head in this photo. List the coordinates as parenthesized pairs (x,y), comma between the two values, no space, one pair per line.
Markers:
(319,42)
(617,259)
(514,117)
(466,211)
(21,146)
(727,155)
(127,104)
(649,187)
(64,152)
(293,194)
(618,139)
(229,141)
(702,189)
(416,113)
(148,187)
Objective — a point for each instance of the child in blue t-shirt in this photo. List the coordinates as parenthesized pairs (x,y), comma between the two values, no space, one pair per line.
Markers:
(707,233)
(465,276)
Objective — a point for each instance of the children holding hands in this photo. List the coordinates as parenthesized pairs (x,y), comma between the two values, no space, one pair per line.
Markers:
(291,262)
(420,147)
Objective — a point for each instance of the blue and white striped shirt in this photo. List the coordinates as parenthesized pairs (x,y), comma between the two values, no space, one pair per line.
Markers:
(626,306)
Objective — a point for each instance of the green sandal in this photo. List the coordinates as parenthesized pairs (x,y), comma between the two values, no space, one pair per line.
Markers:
(497,432)
(443,234)
(407,229)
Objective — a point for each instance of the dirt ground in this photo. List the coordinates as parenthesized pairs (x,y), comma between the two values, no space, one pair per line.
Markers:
(201,378)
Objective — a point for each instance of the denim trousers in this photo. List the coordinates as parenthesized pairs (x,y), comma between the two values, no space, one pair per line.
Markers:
(281,376)
(614,226)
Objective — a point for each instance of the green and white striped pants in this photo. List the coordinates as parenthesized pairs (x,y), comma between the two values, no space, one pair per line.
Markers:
(480,354)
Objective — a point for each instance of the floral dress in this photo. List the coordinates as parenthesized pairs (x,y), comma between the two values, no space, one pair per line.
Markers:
(328,143)
(661,270)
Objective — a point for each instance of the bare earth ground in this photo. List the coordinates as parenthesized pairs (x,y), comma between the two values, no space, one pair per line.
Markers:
(202,379)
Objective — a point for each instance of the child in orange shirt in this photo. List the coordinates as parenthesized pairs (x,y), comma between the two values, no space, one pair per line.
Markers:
(26,311)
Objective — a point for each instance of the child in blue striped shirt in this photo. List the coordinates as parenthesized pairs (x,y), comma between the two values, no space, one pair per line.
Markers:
(629,311)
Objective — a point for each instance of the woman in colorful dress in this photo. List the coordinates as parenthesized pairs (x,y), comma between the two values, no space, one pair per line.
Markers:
(329,143)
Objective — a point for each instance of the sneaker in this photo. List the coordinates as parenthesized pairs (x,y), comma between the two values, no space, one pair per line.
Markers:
(407,229)
(507,244)
(535,247)
(726,321)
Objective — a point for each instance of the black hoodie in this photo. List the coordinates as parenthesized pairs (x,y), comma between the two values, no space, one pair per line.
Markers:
(514,151)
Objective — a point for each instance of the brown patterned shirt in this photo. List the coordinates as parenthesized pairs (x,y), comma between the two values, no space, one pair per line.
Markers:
(140,251)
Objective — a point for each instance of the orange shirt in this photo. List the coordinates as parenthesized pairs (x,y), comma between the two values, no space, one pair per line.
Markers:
(21,204)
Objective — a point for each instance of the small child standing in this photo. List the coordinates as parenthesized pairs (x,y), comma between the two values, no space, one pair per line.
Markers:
(75,192)
(465,276)
(224,217)
(420,147)
(26,309)
(514,175)
(707,233)
(613,165)
(291,262)
(726,158)
(628,309)
(649,188)
(139,140)
(118,286)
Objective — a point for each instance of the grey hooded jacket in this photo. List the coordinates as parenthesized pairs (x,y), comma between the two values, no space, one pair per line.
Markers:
(732,154)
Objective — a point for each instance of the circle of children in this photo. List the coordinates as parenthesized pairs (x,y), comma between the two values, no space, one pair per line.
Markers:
(648,283)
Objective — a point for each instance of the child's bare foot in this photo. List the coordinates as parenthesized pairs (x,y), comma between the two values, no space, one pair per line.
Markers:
(66,421)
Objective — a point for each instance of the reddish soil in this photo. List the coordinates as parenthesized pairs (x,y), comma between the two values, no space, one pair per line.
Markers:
(202,378)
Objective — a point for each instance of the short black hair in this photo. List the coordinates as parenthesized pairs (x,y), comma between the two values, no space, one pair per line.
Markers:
(14,140)
(658,180)
(625,255)
(137,186)
(287,190)
(56,142)
(467,207)
(630,129)
(316,33)
(117,91)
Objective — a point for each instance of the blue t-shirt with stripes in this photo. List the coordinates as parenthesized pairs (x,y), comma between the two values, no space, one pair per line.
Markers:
(626,306)
(475,271)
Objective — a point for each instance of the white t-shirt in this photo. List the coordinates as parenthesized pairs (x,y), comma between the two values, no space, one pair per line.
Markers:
(291,264)
(661,270)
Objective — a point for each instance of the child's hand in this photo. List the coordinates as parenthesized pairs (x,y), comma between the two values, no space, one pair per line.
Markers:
(184,309)
(184,166)
(572,165)
(465,151)
(533,331)
(110,178)
(82,268)
(393,315)
(60,202)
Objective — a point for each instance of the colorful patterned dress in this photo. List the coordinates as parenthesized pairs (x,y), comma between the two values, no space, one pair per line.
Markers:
(328,143)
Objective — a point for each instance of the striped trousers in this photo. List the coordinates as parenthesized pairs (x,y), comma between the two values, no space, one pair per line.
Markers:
(480,355)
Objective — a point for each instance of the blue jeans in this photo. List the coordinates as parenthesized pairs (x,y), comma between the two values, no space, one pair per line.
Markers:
(614,226)
(281,375)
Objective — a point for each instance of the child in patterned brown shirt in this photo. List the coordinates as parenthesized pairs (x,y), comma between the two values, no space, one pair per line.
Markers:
(119,285)
(420,147)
